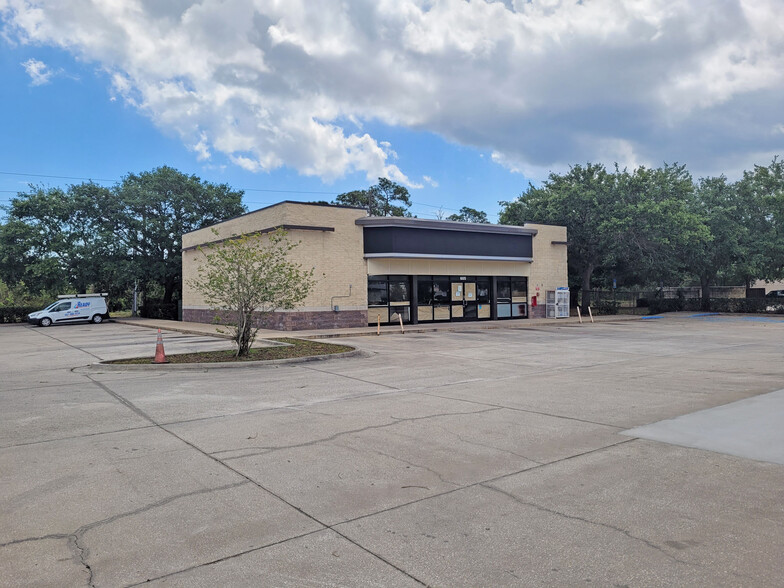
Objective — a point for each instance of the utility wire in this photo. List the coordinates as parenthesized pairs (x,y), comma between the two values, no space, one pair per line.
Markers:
(269,190)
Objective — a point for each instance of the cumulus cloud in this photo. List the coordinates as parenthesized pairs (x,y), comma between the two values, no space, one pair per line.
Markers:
(38,71)
(538,83)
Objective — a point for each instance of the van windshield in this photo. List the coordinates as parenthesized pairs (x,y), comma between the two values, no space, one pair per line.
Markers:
(53,304)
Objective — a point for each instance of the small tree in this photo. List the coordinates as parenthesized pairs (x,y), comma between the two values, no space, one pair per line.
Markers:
(251,273)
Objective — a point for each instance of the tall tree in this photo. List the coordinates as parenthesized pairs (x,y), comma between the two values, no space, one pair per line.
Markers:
(59,240)
(580,200)
(653,222)
(157,208)
(715,202)
(761,196)
(469,215)
(632,223)
(379,199)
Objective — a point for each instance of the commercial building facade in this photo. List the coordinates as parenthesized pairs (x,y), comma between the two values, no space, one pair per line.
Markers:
(384,269)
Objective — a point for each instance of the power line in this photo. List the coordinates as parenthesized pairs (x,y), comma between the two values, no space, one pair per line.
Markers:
(267,190)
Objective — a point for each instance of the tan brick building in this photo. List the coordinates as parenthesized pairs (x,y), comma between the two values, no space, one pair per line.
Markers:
(383,268)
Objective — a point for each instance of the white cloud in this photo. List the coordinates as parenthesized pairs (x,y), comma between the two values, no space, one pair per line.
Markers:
(430,181)
(38,71)
(540,84)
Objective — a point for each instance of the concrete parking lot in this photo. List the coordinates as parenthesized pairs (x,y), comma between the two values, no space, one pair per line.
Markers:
(470,458)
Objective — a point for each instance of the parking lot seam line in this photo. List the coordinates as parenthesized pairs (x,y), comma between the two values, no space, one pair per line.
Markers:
(517,409)
(127,403)
(286,502)
(311,368)
(95,434)
(226,558)
(66,344)
(478,483)
(590,522)
(292,407)
(335,436)
(137,410)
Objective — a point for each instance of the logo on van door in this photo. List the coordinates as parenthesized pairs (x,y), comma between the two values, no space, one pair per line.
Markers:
(82,304)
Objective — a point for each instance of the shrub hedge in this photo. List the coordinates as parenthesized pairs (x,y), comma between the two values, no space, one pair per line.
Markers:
(157,309)
(739,305)
(16,314)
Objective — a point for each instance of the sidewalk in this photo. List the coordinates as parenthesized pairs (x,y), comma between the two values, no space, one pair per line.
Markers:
(212,330)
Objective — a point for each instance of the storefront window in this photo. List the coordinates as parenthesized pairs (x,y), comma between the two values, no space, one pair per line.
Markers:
(424,291)
(377,293)
(398,291)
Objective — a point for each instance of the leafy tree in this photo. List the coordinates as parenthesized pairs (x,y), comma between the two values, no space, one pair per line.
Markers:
(157,207)
(630,223)
(715,201)
(59,240)
(761,198)
(580,201)
(52,237)
(653,223)
(469,215)
(244,275)
(379,199)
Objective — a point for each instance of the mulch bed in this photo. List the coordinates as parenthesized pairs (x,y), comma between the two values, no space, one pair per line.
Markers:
(296,348)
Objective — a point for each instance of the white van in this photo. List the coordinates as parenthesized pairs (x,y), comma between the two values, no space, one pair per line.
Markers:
(72,308)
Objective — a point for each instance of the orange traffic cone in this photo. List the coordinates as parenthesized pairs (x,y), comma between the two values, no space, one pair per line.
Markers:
(160,354)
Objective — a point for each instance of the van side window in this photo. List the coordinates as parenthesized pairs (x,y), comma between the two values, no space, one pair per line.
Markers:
(61,307)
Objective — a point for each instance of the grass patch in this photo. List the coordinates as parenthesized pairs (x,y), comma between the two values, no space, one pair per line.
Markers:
(296,348)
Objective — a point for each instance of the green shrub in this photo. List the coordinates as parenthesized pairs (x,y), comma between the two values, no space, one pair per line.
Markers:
(728,305)
(16,314)
(157,309)
(605,307)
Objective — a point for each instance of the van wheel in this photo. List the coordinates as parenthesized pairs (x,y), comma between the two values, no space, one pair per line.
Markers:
(97,319)
(45,322)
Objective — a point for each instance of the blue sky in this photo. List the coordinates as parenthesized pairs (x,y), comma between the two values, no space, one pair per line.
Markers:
(463,101)
(71,127)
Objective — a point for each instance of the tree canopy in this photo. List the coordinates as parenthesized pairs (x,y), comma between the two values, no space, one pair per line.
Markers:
(64,240)
(379,199)
(469,215)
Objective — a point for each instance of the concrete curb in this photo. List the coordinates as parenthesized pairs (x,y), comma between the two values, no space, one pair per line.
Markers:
(394,330)
(205,367)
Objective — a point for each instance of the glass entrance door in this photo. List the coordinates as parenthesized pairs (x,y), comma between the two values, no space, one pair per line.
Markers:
(464,301)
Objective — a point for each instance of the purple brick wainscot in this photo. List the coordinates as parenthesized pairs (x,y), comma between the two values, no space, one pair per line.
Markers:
(286,321)
(538,311)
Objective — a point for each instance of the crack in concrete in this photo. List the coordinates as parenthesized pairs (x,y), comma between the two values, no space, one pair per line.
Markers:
(266,450)
(27,443)
(79,533)
(488,446)
(625,532)
(526,410)
(41,538)
(401,460)
(193,446)
(75,540)
(80,554)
